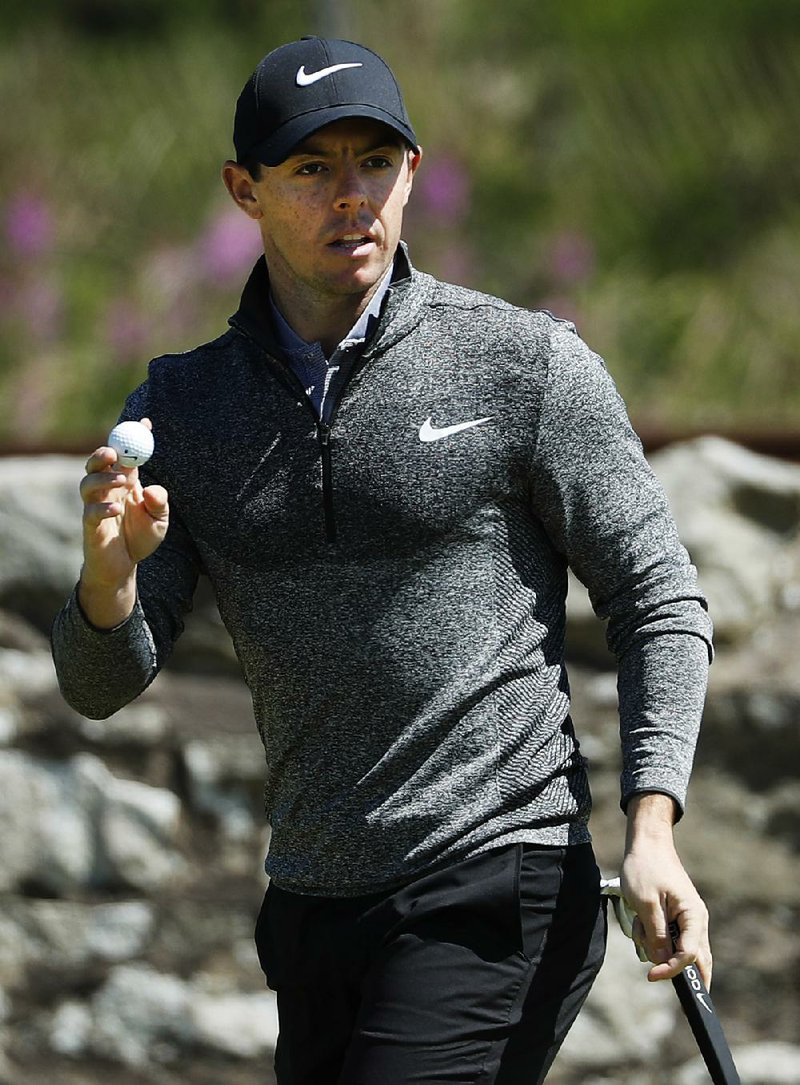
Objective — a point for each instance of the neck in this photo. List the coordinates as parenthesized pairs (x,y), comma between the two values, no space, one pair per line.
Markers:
(323,320)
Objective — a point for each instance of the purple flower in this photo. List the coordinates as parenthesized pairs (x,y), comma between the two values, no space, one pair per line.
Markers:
(444,189)
(29,226)
(229,247)
(572,258)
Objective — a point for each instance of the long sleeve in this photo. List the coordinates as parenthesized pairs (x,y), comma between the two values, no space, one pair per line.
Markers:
(99,670)
(604,509)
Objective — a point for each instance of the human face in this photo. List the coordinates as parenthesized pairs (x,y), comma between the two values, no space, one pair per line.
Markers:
(331,214)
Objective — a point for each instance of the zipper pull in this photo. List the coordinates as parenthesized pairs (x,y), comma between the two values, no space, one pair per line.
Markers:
(324,434)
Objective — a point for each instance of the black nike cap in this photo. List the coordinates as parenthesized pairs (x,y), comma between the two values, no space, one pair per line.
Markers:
(301,86)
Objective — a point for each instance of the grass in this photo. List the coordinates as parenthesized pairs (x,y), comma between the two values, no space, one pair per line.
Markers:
(643,182)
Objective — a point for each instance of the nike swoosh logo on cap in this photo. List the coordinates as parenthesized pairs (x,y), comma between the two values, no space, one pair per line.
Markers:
(305,79)
(427,432)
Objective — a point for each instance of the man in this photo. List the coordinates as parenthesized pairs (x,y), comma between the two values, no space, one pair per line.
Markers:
(385,477)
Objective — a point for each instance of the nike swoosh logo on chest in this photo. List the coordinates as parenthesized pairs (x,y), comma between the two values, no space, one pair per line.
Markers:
(428,432)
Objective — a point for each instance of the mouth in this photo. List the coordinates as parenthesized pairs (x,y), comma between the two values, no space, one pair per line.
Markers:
(355,244)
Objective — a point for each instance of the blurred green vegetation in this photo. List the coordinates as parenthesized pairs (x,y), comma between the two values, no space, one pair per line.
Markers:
(630,164)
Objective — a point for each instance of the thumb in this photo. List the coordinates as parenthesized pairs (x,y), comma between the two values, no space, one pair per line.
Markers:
(156,502)
(688,931)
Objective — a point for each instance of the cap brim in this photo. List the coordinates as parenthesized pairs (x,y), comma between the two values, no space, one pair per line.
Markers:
(280,144)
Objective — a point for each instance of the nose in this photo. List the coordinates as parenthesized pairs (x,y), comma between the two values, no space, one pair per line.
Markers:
(350,189)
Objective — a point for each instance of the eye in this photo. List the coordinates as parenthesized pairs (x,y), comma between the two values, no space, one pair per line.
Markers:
(310,169)
(378,162)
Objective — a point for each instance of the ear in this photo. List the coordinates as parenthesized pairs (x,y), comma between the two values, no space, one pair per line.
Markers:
(414,158)
(241,186)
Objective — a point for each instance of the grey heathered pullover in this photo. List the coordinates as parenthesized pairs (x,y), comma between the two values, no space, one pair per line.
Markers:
(397,605)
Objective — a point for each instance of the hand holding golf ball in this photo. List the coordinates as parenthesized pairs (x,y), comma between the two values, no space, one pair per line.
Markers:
(132,442)
(123,520)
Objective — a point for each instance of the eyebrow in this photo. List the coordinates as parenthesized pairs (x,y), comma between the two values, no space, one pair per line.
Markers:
(305,149)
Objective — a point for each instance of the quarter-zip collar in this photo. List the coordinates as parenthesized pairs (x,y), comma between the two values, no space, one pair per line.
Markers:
(253,315)
(407,293)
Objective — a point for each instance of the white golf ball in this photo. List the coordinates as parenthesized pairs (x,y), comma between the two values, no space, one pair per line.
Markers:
(132,442)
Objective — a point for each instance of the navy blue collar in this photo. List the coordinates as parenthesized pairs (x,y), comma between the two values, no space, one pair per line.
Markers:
(289,341)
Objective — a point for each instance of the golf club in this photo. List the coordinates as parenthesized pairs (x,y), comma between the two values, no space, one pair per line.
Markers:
(692,993)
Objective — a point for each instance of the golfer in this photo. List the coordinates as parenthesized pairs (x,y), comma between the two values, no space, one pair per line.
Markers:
(385,478)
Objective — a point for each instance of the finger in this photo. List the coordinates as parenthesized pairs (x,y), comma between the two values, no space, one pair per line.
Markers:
(676,964)
(104,458)
(638,936)
(100,459)
(655,935)
(146,422)
(95,513)
(156,502)
(691,941)
(685,952)
(98,485)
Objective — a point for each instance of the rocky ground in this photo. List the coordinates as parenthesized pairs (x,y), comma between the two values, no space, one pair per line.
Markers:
(132,848)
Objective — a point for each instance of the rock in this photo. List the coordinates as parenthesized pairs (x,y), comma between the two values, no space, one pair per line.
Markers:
(27,674)
(66,935)
(40,540)
(783,814)
(137,724)
(722,840)
(242,1025)
(72,825)
(70,1028)
(117,931)
(140,1016)
(138,827)
(20,635)
(758,1064)
(46,836)
(225,780)
(738,514)
(10,722)
(750,727)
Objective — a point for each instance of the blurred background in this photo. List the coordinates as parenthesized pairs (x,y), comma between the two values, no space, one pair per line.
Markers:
(631,165)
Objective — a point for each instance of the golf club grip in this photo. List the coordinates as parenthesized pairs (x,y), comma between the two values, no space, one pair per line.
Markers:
(704,1023)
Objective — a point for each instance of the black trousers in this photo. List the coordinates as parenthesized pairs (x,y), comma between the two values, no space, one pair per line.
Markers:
(472,973)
